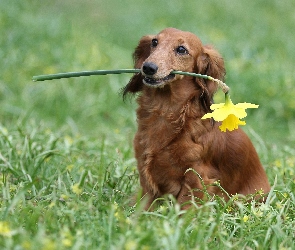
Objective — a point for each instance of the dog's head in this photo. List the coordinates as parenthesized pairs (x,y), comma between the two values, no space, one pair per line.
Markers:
(157,56)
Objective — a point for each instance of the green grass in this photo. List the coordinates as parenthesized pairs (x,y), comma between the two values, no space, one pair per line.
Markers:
(67,169)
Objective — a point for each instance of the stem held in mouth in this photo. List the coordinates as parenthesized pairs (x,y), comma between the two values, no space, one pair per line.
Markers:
(221,84)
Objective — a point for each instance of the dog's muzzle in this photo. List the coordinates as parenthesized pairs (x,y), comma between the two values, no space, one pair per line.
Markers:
(157,82)
(149,70)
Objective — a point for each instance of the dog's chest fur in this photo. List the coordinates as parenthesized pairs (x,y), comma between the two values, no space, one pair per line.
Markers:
(162,127)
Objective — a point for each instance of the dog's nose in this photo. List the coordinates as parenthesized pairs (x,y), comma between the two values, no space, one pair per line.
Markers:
(149,68)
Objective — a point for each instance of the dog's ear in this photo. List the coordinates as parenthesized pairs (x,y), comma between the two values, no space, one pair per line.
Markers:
(210,63)
(142,52)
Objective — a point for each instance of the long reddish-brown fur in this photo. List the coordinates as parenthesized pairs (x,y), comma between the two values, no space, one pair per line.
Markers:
(171,136)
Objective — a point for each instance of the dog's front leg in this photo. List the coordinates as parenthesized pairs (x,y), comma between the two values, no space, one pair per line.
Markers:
(192,189)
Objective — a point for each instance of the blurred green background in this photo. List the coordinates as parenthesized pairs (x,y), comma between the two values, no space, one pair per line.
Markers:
(255,38)
(67,168)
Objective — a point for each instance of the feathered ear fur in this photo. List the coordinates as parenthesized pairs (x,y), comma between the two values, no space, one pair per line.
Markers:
(141,53)
(209,63)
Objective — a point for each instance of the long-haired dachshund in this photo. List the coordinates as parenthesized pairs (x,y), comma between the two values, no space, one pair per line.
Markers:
(178,153)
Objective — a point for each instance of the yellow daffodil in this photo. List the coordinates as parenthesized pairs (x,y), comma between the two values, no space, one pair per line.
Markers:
(229,113)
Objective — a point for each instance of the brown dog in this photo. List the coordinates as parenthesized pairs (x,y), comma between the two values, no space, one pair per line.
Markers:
(171,136)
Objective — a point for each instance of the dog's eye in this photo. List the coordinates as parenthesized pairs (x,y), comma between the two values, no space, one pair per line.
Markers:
(154,42)
(181,50)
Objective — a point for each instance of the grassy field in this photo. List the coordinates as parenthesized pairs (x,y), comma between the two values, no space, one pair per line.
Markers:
(67,168)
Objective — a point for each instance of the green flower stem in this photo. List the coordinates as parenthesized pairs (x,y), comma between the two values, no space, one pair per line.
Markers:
(221,84)
(83,73)
(193,74)
(227,98)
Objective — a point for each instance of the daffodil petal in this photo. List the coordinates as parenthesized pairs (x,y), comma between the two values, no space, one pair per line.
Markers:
(206,116)
(221,114)
(216,106)
(246,105)
(239,112)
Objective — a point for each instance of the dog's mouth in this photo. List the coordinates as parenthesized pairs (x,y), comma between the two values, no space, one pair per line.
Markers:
(158,82)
